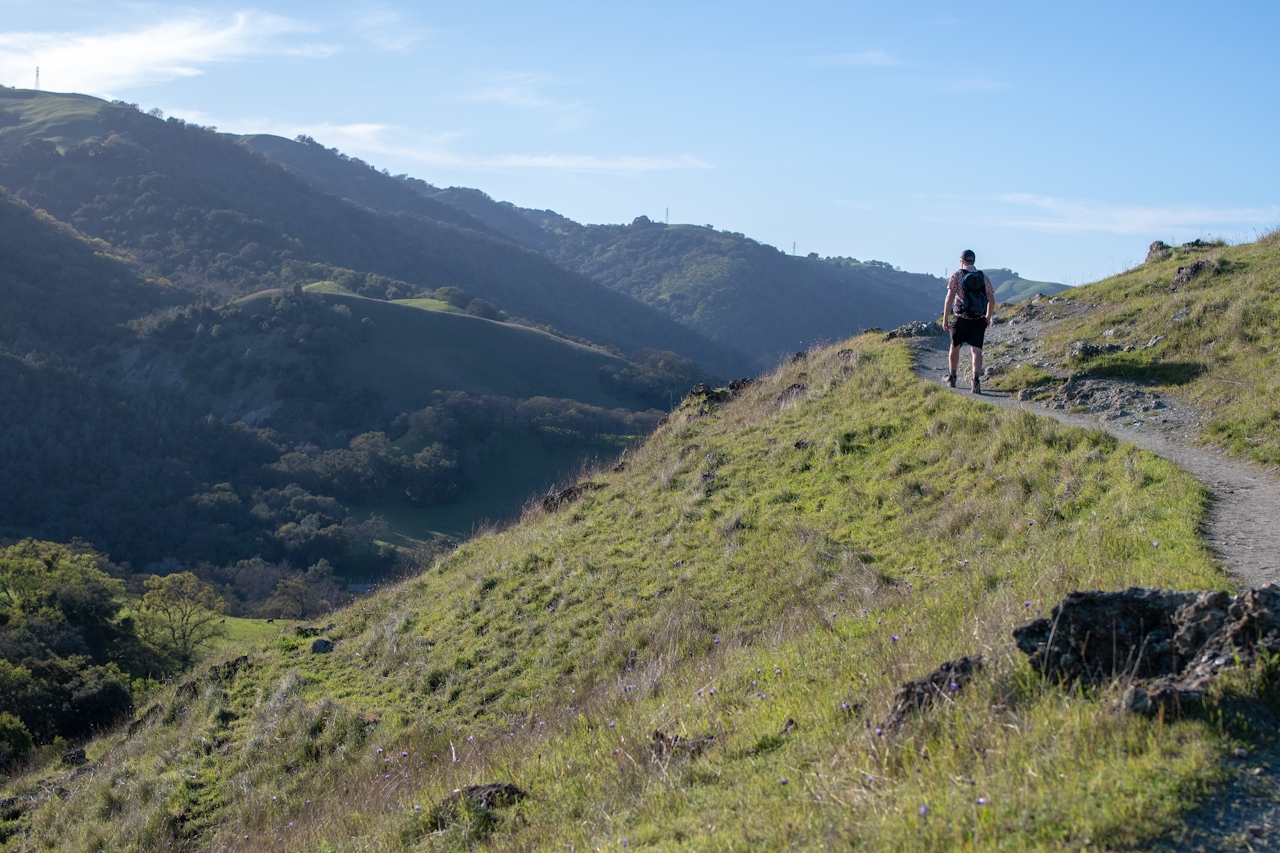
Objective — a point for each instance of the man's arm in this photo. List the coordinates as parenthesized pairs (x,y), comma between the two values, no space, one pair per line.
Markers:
(946,309)
(991,298)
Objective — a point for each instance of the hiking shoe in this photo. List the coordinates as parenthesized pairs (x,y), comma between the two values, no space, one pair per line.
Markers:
(977,385)
(951,380)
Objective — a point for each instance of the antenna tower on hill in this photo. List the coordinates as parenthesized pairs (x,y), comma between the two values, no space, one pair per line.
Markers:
(667,219)
(37,78)
(793,248)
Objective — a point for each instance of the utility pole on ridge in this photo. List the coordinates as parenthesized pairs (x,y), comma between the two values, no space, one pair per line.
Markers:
(37,78)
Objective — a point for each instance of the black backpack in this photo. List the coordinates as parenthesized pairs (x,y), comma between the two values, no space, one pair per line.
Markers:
(974,288)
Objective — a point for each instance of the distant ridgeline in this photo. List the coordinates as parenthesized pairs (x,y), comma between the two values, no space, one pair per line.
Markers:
(217,348)
(236,366)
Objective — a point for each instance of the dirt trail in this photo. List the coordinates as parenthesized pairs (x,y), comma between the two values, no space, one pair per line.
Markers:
(1244,530)
(1244,521)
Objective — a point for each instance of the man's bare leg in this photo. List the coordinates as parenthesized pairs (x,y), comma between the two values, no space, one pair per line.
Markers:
(954,357)
(977,360)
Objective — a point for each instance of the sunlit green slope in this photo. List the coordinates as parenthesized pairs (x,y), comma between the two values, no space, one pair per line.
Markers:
(1204,324)
(763,572)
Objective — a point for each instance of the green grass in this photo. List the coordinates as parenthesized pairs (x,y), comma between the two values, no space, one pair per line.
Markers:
(1022,377)
(760,562)
(63,119)
(430,305)
(1219,334)
(412,353)
(518,471)
(241,631)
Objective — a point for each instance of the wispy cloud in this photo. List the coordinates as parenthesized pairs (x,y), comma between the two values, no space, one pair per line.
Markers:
(1059,215)
(375,142)
(178,47)
(385,28)
(525,91)
(877,58)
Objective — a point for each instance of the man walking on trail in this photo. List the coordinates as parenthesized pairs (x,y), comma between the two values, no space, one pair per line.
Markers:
(972,298)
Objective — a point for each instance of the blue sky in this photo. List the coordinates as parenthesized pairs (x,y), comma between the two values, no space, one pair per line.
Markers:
(1055,139)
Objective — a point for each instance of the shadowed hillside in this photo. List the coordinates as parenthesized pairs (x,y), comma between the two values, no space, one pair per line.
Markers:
(199,208)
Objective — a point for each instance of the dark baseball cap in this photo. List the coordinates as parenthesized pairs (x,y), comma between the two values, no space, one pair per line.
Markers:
(968,255)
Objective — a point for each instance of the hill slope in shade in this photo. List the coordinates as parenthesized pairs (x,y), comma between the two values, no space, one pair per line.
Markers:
(410,353)
(198,207)
(109,379)
(758,579)
(731,289)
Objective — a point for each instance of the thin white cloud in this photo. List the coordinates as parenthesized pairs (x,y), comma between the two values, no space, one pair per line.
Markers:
(375,142)
(1058,215)
(179,47)
(385,28)
(524,91)
(874,58)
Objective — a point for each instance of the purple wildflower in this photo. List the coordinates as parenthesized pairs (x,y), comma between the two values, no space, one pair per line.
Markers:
(879,731)
(777,672)
(924,810)
(611,724)
(982,801)
(954,687)
(894,638)
(1155,544)
(470,738)
(1026,604)
(784,780)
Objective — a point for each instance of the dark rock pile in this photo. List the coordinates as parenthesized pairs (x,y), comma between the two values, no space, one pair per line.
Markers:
(1158,251)
(474,799)
(915,329)
(1168,644)
(1190,271)
(943,683)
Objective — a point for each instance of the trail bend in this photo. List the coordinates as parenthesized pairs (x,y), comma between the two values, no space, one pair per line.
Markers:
(1243,526)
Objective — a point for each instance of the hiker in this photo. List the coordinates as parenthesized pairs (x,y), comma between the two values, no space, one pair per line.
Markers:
(971,296)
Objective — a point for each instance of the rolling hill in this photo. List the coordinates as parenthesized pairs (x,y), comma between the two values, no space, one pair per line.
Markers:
(701,651)
(199,208)
(160,427)
(737,292)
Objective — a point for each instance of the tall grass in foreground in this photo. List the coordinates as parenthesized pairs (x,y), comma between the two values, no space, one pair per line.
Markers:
(766,573)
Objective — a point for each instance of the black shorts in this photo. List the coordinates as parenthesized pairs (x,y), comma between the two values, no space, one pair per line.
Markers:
(967,331)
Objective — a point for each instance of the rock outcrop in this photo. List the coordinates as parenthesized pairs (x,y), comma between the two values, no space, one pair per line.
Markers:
(1169,644)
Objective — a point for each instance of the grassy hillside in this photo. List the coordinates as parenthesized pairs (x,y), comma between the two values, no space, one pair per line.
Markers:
(763,573)
(198,207)
(411,353)
(1011,287)
(1207,335)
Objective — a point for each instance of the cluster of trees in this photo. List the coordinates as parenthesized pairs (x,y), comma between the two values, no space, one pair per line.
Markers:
(75,646)
(82,637)
(432,454)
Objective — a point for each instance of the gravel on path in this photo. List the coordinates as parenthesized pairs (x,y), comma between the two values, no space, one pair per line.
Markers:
(1244,520)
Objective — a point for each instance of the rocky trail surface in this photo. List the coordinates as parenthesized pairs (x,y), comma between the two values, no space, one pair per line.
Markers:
(1243,528)
(1244,522)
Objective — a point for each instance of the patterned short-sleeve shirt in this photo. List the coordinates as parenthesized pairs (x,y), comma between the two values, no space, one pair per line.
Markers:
(955,290)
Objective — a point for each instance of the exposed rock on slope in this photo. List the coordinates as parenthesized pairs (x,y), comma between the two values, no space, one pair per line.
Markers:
(1170,643)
